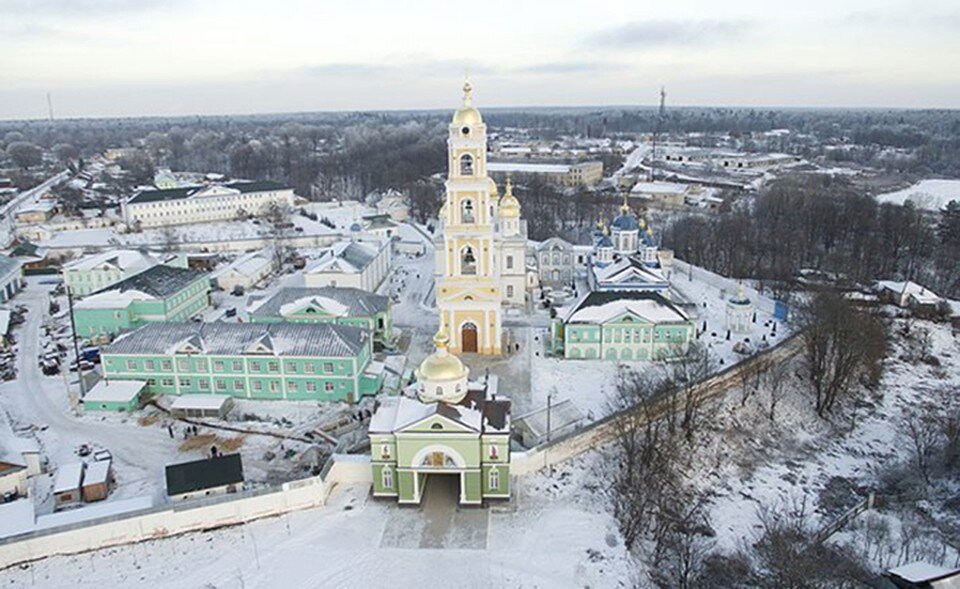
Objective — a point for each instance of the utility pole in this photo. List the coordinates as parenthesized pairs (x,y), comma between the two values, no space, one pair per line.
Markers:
(76,346)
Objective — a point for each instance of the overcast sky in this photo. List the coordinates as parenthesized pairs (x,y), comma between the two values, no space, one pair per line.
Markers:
(152,57)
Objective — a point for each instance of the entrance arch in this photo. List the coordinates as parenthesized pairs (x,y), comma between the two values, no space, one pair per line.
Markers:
(469,338)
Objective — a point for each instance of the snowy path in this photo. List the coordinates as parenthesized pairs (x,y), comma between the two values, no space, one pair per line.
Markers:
(139,453)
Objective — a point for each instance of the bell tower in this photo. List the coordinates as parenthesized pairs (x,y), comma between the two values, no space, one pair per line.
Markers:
(468,268)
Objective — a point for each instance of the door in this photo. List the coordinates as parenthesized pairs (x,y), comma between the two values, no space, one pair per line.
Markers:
(468,338)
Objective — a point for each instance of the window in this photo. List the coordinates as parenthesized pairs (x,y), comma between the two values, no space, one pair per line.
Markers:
(387,475)
(167,382)
(218,366)
(466,165)
(328,386)
(257,385)
(183,364)
(238,385)
(151,365)
(274,386)
(291,385)
(167,365)
(152,382)
(254,366)
(202,364)
(291,367)
(509,290)
(184,382)
(384,451)
(494,453)
(509,262)
(204,384)
(308,368)
(273,366)
(221,385)
(237,366)
(494,479)
(131,364)
(311,386)
(328,367)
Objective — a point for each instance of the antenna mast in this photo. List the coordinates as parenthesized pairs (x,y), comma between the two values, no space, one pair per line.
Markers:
(656,132)
(49,106)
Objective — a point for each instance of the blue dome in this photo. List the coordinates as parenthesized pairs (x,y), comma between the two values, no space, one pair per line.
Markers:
(626,222)
(356,227)
(604,241)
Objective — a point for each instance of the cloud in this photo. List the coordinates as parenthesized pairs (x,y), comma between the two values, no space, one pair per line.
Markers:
(565,67)
(918,17)
(34,8)
(397,65)
(671,33)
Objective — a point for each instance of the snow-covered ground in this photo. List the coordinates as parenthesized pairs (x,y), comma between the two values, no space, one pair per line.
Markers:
(931,195)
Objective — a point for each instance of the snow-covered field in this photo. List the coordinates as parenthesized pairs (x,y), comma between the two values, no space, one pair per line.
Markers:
(931,195)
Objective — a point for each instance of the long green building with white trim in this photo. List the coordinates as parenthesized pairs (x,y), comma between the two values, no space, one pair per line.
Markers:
(295,361)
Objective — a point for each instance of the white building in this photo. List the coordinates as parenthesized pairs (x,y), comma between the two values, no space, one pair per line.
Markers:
(202,204)
(246,271)
(394,204)
(92,273)
(11,278)
(358,264)
(19,460)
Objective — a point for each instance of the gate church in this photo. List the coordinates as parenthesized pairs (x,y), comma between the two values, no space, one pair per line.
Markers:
(481,260)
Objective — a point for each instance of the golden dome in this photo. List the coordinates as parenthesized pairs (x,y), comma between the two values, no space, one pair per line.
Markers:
(467,116)
(509,205)
(441,365)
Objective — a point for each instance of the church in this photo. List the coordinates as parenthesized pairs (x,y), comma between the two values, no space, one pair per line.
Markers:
(481,256)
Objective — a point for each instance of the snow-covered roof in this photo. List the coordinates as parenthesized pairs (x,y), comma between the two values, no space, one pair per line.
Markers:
(92,512)
(68,477)
(8,265)
(340,301)
(112,300)
(16,517)
(4,321)
(922,572)
(346,257)
(115,391)
(200,402)
(659,187)
(250,264)
(528,168)
(277,339)
(479,411)
(158,281)
(96,472)
(120,259)
(603,306)
(628,269)
(920,293)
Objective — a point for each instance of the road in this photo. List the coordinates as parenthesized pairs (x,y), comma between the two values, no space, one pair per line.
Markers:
(9,210)
(139,453)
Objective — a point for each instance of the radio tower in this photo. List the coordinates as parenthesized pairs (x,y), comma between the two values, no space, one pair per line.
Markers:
(656,132)
(49,106)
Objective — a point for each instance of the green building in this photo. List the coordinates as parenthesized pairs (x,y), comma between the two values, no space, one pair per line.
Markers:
(303,361)
(94,273)
(160,293)
(443,425)
(115,395)
(623,325)
(328,304)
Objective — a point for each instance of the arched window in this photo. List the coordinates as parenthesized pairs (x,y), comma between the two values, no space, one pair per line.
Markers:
(466,165)
(466,211)
(468,262)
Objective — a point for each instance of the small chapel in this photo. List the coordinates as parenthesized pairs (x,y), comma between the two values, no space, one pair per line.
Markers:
(443,424)
(481,251)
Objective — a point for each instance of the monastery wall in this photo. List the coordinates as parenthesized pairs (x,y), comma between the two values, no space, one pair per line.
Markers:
(179,518)
(681,270)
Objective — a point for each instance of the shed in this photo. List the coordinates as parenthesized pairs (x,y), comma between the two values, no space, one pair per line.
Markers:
(66,485)
(97,480)
(200,478)
(922,575)
(217,406)
(115,395)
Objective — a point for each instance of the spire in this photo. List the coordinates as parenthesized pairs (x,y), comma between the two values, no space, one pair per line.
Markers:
(441,340)
(625,208)
(467,91)
(509,187)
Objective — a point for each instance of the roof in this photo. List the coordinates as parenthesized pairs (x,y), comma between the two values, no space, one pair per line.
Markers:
(528,168)
(625,222)
(208,473)
(145,196)
(8,264)
(276,339)
(250,264)
(97,472)
(114,391)
(353,302)
(200,402)
(157,282)
(659,188)
(122,259)
(922,572)
(68,477)
(16,517)
(479,411)
(345,257)
(603,306)
(919,292)
(562,414)
(628,269)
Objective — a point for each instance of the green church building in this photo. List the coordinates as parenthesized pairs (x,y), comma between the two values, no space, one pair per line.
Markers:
(160,293)
(301,361)
(443,425)
(328,304)
(625,325)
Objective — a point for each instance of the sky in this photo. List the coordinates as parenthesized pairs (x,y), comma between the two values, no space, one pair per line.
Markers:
(184,57)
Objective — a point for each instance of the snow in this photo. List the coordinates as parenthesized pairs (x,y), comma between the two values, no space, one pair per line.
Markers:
(198,402)
(115,391)
(16,517)
(522,168)
(919,572)
(96,472)
(327,304)
(91,512)
(112,299)
(931,195)
(647,310)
